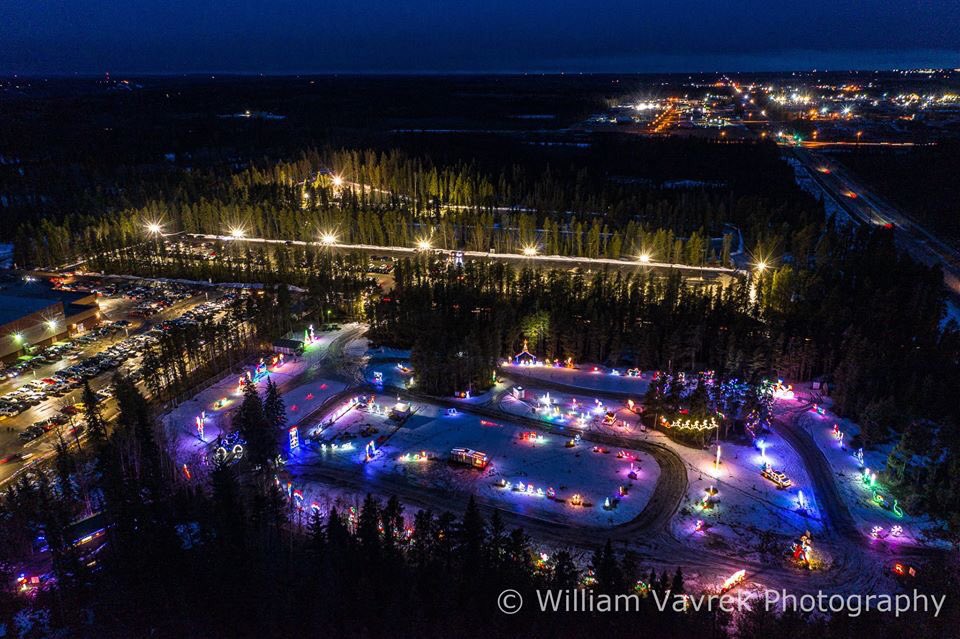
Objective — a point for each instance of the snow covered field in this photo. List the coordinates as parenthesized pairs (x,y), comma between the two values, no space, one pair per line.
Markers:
(576,411)
(587,377)
(543,462)
(744,503)
(747,514)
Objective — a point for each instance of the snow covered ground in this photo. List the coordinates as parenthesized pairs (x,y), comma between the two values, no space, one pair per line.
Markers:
(587,377)
(576,411)
(303,392)
(856,492)
(543,462)
(746,510)
(744,506)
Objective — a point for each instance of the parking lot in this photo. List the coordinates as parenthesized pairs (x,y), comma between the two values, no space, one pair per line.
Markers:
(41,396)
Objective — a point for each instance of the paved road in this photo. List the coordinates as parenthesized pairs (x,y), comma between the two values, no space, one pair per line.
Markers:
(838,521)
(840,525)
(869,208)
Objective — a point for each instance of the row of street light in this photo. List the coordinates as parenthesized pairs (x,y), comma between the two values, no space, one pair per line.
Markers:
(329,238)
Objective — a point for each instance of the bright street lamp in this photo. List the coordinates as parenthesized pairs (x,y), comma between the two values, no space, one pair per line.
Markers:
(530,251)
(337,181)
(645,258)
(423,244)
(154,228)
(51,324)
(237,232)
(761,266)
(328,239)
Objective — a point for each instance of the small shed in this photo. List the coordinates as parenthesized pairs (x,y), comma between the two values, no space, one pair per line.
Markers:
(288,346)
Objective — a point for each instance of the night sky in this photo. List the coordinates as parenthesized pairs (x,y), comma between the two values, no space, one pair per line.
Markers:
(294,36)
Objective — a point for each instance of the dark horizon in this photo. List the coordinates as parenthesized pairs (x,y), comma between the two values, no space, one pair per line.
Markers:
(465,73)
(374,37)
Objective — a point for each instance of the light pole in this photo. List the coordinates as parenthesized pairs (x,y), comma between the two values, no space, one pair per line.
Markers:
(328,238)
(18,340)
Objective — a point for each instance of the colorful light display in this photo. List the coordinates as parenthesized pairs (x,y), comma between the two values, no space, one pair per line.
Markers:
(733,581)
(691,425)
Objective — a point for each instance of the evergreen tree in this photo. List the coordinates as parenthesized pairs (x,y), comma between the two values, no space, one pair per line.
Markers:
(251,422)
(91,412)
(273,407)
(607,571)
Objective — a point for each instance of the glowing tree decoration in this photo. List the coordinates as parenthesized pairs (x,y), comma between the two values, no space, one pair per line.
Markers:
(876,532)
(896,531)
(691,425)
(370,451)
(859,456)
(801,501)
(718,458)
(699,526)
(199,421)
(762,445)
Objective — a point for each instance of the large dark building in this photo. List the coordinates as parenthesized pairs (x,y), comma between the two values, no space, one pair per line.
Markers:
(33,313)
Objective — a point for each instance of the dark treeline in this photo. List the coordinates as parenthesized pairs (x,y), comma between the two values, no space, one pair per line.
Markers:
(590,204)
(329,282)
(856,311)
